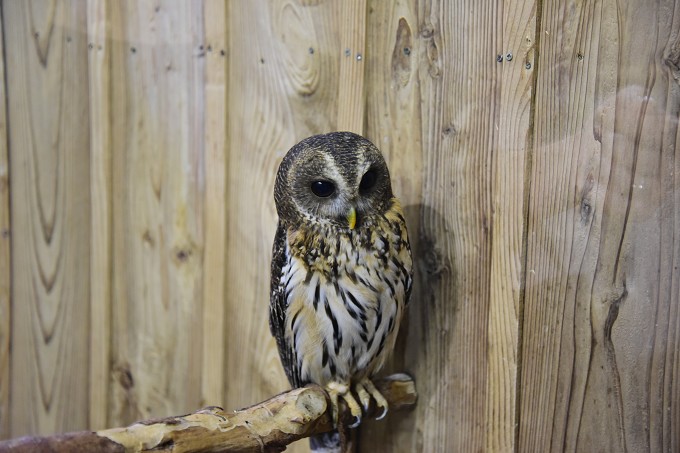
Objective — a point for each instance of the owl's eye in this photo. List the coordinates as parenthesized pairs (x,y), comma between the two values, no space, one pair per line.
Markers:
(323,189)
(368,180)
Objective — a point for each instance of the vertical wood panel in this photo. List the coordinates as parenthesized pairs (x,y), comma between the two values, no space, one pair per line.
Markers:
(393,118)
(46,57)
(215,130)
(451,365)
(157,147)
(351,21)
(99,61)
(285,60)
(601,324)
(5,261)
(511,153)
(393,54)
(267,78)
(453,317)
(510,186)
(466,129)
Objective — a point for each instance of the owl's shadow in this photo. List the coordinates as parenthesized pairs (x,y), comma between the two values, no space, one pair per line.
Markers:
(423,344)
(428,319)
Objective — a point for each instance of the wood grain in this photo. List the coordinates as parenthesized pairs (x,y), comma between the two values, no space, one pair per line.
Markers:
(99,61)
(601,319)
(283,66)
(157,148)
(457,123)
(215,141)
(286,67)
(393,123)
(262,69)
(351,20)
(451,321)
(5,257)
(512,149)
(46,56)
(532,144)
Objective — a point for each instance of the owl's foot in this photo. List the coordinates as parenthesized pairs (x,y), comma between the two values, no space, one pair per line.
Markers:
(365,389)
(336,390)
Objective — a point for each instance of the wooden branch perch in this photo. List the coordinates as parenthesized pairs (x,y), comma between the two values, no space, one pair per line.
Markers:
(265,427)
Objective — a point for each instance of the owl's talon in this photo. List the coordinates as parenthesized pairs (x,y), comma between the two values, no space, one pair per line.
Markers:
(380,400)
(336,390)
(384,412)
(357,422)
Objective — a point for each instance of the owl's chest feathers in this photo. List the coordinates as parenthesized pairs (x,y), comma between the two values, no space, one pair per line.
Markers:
(346,292)
(329,251)
(331,258)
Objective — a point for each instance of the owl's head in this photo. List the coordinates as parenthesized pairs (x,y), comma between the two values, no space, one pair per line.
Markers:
(338,179)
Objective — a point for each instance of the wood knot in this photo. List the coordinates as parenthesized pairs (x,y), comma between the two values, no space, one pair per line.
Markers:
(449,130)
(148,239)
(429,34)
(586,211)
(124,376)
(434,66)
(401,55)
(183,253)
(586,205)
(671,59)
(432,261)
(427,31)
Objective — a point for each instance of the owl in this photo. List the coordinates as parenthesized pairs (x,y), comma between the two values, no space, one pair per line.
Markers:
(341,270)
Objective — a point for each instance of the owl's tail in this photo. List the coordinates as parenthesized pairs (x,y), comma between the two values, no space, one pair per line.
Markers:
(326,443)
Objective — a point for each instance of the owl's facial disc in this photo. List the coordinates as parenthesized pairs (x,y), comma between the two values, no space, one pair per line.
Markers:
(338,179)
(332,194)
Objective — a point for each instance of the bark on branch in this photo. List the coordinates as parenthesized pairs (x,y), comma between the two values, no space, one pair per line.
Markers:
(265,427)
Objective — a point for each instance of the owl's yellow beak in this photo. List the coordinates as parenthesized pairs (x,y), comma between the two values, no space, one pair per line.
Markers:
(352,218)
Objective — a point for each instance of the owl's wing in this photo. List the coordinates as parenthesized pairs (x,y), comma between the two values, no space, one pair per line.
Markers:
(277,309)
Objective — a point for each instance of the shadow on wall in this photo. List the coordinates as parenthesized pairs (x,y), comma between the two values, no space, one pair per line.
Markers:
(425,343)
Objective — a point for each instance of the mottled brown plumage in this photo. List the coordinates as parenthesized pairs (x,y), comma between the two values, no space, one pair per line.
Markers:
(341,269)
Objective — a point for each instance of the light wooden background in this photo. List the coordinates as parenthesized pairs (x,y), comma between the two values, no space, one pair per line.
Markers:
(533,143)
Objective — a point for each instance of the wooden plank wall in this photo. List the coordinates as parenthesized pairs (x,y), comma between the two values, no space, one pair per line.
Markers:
(601,314)
(533,146)
(5,264)
(49,155)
